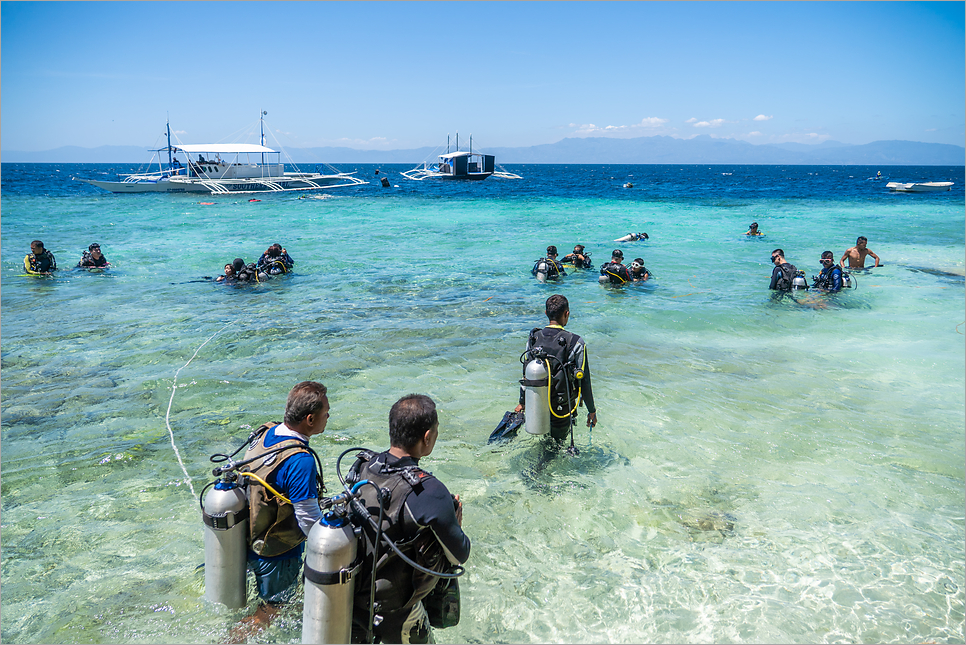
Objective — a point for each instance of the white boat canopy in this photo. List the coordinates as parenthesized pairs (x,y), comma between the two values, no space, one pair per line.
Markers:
(225,148)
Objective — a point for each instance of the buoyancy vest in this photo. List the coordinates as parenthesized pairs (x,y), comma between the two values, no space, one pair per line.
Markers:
(616,272)
(788,272)
(565,387)
(248,274)
(553,268)
(274,266)
(33,264)
(826,279)
(273,527)
(398,586)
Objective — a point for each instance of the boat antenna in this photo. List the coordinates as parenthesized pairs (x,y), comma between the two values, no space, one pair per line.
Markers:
(457,142)
(471,144)
(447,143)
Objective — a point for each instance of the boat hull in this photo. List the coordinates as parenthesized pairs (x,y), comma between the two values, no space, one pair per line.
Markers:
(290,182)
(922,187)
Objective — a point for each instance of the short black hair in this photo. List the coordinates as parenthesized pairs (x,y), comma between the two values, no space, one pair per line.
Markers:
(556,306)
(551,250)
(579,248)
(304,399)
(861,238)
(617,254)
(410,418)
(779,252)
(827,255)
(37,243)
(639,261)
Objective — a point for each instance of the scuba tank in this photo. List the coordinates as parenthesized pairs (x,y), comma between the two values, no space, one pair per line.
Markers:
(535,384)
(798,282)
(330,568)
(541,271)
(225,513)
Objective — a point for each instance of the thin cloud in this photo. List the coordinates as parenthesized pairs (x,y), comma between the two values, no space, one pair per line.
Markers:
(713,123)
(647,123)
(762,117)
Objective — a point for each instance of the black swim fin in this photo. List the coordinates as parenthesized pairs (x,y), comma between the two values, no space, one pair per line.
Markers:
(508,427)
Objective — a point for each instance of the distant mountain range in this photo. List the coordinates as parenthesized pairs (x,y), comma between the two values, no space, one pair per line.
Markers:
(643,150)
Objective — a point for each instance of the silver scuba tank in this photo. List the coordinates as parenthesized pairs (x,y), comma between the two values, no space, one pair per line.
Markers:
(330,570)
(535,398)
(225,514)
(542,271)
(798,282)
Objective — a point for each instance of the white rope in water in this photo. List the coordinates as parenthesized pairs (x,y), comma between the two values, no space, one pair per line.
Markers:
(167,415)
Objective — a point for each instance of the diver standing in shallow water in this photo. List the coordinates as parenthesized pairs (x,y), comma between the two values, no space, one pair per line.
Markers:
(283,512)
(420,515)
(567,376)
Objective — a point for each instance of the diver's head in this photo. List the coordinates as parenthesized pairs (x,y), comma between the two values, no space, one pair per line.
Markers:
(238,264)
(753,226)
(414,424)
(37,247)
(557,307)
(274,250)
(95,249)
(551,251)
(778,255)
(827,258)
(307,406)
(637,264)
(579,249)
(229,270)
(617,255)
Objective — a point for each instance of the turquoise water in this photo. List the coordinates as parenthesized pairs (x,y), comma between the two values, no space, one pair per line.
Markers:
(763,470)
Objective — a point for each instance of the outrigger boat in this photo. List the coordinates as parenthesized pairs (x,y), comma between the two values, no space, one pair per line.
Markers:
(460,165)
(243,169)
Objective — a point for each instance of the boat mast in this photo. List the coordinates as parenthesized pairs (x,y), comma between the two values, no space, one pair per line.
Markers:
(168,125)
(447,143)
(261,122)
(457,142)
(471,144)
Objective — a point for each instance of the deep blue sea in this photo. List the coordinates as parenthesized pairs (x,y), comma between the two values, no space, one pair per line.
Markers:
(764,470)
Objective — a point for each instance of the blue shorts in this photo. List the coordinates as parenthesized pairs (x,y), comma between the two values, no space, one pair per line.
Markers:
(275,578)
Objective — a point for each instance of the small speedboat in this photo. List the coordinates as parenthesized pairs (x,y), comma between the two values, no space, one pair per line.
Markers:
(460,165)
(920,187)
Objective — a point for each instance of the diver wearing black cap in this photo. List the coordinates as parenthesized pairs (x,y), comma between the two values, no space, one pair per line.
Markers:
(614,271)
(548,268)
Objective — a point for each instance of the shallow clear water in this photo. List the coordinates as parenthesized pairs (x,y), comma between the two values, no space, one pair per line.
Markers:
(763,471)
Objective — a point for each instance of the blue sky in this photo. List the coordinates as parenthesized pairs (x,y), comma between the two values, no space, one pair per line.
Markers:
(374,75)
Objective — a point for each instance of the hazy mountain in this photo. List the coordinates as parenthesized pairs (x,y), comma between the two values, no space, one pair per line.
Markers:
(592,150)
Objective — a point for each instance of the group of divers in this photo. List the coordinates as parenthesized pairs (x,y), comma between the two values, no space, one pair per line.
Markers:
(383,553)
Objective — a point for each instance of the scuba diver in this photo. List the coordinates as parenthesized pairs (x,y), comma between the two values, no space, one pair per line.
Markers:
(753,229)
(638,272)
(421,516)
(39,261)
(275,261)
(93,258)
(785,276)
(632,237)
(246,272)
(614,271)
(832,278)
(548,268)
(578,258)
(283,497)
(229,275)
(556,377)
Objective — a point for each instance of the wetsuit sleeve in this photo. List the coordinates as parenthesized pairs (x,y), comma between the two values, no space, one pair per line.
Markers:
(776,272)
(433,506)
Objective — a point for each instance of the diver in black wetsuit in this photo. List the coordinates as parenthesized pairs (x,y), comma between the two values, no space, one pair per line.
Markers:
(614,271)
(548,268)
(423,518)
(578,258)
